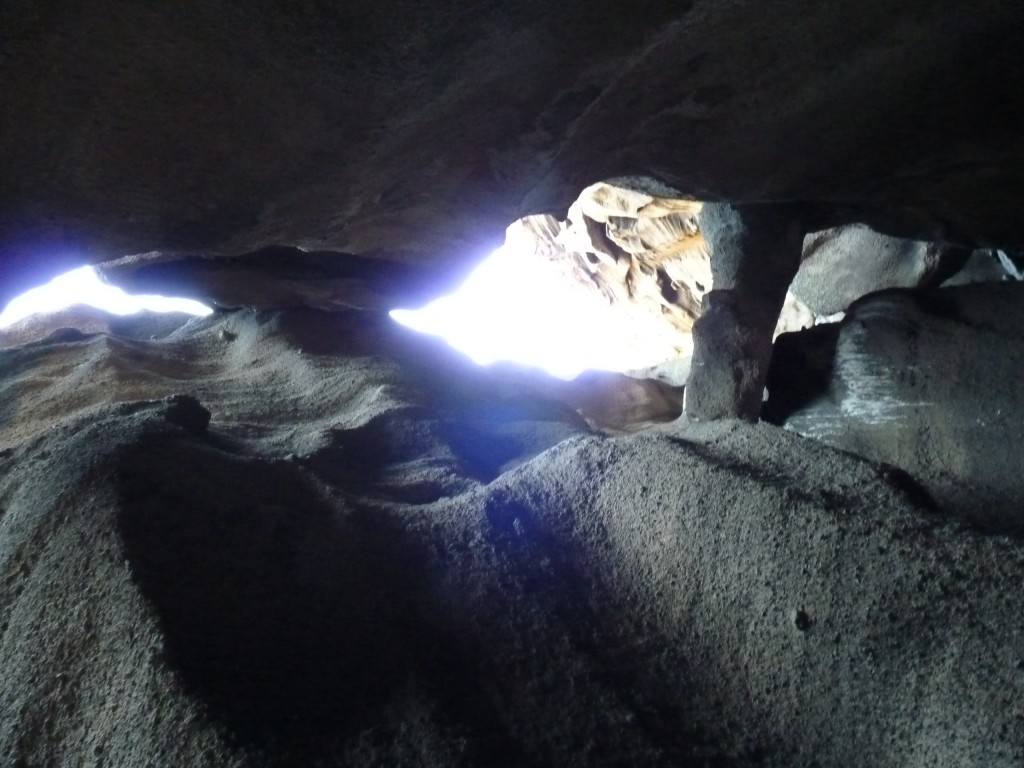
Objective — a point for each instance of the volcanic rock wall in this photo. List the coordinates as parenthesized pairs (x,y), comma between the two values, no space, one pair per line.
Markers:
(925,381)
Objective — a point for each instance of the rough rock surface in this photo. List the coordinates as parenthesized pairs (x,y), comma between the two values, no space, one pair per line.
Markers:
(842,264)
(374,555)
(78,320)
(276,278)
(928,382)
(299,538)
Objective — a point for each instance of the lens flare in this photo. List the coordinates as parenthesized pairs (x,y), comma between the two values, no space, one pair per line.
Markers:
(84,286)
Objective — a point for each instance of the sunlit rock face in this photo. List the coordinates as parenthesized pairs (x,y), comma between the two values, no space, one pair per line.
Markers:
(641,246)
(641,253)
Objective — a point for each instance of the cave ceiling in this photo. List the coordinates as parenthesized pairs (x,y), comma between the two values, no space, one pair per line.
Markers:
(416,133)
(293,533)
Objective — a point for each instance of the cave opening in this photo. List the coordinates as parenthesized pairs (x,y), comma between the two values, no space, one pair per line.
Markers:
(83,286)
(518,306)
(615,287)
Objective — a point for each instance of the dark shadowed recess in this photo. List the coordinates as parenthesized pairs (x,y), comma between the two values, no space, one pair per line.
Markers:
(800,371)
(295,618)
(409,456)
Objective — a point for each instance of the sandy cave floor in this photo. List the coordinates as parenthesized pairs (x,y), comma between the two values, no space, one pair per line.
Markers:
(376,555)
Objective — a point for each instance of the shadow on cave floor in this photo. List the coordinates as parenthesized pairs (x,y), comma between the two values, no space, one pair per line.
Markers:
(296,621)
(304,623)
(623,656)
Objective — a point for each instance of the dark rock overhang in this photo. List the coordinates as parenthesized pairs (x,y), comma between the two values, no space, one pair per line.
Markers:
(423,131)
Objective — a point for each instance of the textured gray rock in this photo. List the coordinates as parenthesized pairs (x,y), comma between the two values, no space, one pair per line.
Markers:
(376,556)
(277,278)
(842,264)
(755,252)
(927,382)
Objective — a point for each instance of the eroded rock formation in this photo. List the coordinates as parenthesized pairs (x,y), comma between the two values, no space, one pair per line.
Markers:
(377,554)
(292,533)
(927,382)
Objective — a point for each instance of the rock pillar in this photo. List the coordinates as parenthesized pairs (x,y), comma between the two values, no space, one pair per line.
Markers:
(756,252)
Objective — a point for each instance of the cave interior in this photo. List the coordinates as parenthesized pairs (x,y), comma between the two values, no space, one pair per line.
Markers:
(783,527)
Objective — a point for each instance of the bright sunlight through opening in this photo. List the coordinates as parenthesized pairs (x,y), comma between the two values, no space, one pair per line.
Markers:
(84,286)
(518,308)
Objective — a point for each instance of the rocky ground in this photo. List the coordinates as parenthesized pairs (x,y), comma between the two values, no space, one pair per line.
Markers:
(309,538)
